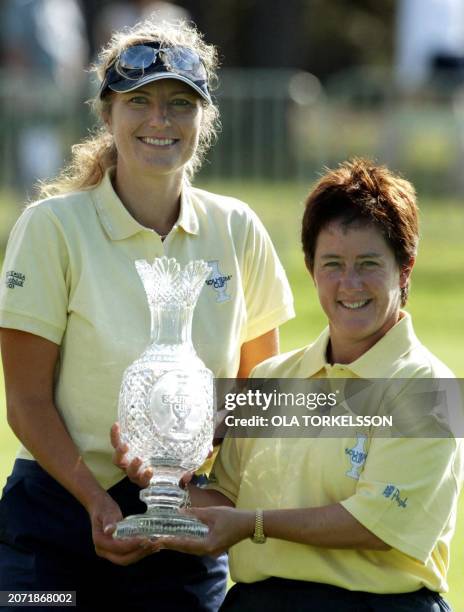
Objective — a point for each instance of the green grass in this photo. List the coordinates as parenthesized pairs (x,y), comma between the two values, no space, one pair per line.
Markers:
(436,302)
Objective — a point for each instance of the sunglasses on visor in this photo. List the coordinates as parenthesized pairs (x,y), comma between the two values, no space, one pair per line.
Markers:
(132,62)
(138,62)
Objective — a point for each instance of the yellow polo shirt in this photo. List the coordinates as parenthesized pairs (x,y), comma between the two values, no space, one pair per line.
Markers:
(69,276)
(405,492)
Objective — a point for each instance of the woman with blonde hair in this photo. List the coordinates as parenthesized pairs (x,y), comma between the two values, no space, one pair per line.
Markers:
(73,315)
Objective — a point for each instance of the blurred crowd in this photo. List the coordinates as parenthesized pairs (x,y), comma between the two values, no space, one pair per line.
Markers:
(46,44)
(56,38)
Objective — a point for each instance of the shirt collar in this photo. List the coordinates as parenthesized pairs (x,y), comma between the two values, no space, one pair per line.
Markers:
(120,224)
(188,219)
(314,358)
(380,361)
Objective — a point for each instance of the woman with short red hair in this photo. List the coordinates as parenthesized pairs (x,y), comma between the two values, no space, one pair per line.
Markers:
(359,522)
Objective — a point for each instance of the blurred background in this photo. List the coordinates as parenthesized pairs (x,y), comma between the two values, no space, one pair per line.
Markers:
(304,84)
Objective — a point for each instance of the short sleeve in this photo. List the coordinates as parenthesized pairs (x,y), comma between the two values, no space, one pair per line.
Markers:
(225,475)
(33,292)
(408,491)
(268,296)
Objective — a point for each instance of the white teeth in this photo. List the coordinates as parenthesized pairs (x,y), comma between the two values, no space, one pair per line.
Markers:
(354,305)
(160,142)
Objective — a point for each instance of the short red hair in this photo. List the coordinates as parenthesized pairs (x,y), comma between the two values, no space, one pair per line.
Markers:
(359,191)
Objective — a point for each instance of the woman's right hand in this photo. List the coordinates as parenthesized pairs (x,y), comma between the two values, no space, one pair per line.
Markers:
(104,513)
(133,468)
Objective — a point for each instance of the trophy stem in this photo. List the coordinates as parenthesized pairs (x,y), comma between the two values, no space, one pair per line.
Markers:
(164,492)
(164,498)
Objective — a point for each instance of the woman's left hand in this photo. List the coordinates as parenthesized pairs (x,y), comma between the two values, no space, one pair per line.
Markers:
(227,526)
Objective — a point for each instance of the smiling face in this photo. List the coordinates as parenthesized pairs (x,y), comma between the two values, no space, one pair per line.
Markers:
(155,128)
(358,282)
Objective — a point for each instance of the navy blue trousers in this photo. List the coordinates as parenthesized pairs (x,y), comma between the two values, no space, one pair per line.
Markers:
(46,544)
(281,595)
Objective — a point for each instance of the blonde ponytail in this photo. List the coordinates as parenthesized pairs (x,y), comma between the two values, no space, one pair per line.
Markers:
(90,160)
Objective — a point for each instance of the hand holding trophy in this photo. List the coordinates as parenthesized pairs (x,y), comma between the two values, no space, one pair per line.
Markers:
(166,400)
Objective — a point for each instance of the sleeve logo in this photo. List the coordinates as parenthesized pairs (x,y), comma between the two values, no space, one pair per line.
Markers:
(15,279)
(393,493)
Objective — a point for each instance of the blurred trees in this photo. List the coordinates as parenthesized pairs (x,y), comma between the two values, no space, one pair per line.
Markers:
(321,36)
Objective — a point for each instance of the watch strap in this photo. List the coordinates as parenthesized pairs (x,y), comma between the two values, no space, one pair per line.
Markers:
(258,535)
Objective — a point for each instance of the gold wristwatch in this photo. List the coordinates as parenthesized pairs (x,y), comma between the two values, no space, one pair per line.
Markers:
(258,536)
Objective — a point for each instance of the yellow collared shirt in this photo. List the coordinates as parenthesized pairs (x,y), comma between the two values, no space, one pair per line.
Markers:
(405,492)
(69,276)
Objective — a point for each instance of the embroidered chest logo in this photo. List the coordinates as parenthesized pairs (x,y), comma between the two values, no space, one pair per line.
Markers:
(218,281)
(393,493)
(357,455)
(15,279)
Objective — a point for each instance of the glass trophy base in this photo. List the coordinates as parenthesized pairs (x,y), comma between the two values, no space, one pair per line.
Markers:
(160,523)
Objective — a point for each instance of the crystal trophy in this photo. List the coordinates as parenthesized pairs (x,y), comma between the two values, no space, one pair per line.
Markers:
(166,401)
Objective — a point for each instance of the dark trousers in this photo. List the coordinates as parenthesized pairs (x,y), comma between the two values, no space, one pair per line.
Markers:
(46,544)
(281,595)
